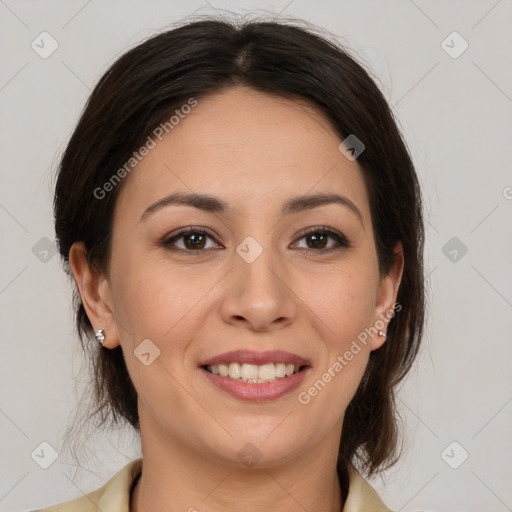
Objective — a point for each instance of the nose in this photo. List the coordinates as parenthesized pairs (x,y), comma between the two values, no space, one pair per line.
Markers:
(259,295)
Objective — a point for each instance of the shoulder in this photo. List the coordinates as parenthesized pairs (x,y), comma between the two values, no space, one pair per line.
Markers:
(114,496)
(362,497)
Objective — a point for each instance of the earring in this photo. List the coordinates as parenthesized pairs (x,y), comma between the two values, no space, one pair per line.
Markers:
(383,334)
(100,336)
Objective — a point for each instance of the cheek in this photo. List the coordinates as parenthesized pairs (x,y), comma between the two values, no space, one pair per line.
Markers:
(344,301)
(345,350)
(155,304)
(150,296)
(167,306)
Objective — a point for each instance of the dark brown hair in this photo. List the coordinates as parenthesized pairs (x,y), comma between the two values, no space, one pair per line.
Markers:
(147,84)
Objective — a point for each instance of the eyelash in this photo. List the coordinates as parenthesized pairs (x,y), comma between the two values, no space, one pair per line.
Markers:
(342,241)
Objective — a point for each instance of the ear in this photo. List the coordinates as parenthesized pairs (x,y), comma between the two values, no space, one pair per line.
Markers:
(386,297)
(95,292)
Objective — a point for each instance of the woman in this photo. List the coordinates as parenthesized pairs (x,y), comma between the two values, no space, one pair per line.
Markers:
(243,224)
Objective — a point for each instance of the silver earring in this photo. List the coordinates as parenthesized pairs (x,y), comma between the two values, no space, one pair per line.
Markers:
(100,336)
(382,333)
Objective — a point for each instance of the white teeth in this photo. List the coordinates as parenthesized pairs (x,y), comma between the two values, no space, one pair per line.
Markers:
(267,372)
(289,369)
(235,371)
(252,372)
(280,370)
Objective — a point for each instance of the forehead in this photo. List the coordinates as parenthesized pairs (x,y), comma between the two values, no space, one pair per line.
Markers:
(249,149)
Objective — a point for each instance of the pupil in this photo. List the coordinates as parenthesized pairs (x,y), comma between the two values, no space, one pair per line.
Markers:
(192,237)
(316,237)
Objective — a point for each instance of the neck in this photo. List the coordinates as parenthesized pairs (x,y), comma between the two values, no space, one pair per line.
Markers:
(270,496)
(175,478)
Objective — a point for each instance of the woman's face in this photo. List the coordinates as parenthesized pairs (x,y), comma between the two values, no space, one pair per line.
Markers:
(255,281)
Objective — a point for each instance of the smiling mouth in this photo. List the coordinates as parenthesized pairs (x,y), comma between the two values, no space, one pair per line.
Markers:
(254,374)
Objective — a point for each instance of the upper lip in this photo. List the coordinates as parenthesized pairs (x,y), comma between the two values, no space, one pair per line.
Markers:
(258,358)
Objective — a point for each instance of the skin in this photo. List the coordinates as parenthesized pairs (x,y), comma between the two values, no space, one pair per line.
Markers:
(254,151)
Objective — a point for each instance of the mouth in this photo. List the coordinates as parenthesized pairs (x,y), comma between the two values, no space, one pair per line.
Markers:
(256,376)
(255,367)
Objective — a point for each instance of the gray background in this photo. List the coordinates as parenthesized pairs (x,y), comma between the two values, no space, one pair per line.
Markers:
(456,117)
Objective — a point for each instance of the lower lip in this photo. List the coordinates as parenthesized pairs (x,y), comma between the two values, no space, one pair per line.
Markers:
(257,392)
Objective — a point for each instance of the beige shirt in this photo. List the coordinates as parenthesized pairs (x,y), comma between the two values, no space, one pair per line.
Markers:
(114,496)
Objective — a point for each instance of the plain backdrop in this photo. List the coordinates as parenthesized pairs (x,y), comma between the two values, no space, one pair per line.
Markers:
(452,94)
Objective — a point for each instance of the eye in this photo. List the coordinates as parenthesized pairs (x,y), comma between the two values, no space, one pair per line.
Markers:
(194,239)
(319,236)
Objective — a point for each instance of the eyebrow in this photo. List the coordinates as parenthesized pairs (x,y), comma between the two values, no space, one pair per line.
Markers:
(214,205)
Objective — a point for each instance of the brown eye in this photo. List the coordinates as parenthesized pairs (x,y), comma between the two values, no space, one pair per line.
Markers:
(194,240)
(317,240)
